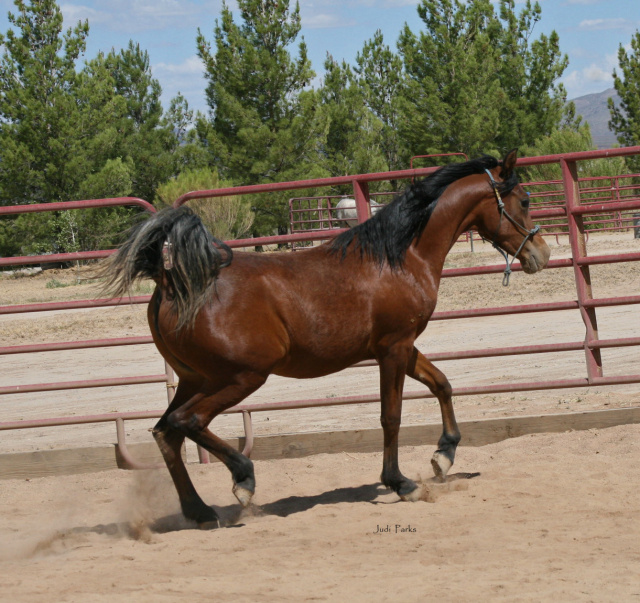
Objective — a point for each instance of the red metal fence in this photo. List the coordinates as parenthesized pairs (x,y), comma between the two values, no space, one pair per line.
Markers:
(318,213)
(575,212)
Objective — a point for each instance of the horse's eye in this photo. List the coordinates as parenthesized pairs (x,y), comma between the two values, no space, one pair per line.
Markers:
(525,202)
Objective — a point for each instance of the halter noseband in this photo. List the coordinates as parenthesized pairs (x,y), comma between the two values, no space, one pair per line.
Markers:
(504,212)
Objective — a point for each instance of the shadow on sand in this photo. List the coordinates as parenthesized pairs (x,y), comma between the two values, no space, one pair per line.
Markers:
(231,516)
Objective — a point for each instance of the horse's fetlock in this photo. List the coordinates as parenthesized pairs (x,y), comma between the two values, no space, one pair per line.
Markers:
(449,441)
(242,472)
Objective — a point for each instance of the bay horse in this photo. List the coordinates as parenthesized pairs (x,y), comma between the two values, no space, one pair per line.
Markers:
(225,321)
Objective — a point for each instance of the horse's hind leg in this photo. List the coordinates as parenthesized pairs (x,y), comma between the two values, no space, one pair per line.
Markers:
(170,441)
(424,371)
(192,419)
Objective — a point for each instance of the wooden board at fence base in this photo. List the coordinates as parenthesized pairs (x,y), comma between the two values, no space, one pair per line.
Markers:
(474,433)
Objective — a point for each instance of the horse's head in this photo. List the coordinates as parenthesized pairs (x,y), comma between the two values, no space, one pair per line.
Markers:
(505,221)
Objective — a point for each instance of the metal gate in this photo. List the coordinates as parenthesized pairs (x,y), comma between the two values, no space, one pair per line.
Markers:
(574,212)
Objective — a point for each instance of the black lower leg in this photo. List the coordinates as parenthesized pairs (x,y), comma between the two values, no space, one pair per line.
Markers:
(241,469)
(447,445)
(392,478)
(193,507)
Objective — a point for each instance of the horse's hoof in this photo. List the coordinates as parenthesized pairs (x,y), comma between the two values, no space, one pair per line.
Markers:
(201,514)
(211,524)
(413,496)
(409,491)
(441,465)
(243,495)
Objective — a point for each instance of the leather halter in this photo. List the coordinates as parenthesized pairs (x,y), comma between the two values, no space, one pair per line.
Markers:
(503,212)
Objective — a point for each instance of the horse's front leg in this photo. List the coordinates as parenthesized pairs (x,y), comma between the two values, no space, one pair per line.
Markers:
(424,371)
(393,367)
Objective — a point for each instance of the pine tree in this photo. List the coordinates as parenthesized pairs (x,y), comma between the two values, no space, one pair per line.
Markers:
(381,77)
(478,82)
(354,134)
(69,133)
(265,123)
(143,137)
(37,83)
(452,98)
(529,69)
(625,117)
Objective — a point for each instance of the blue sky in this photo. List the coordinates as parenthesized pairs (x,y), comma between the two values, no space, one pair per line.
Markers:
(590,33)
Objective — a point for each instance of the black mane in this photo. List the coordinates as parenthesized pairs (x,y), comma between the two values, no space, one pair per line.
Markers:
(386,236)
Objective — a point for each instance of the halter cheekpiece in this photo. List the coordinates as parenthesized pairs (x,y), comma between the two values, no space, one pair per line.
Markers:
(504,212)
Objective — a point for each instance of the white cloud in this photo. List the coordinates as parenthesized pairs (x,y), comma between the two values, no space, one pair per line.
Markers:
(593,78)
(603,24)
(140,15)
(395,3)
(73,13)
(323,21)
(193,65)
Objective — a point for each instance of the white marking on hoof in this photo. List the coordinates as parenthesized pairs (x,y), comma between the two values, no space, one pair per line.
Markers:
(414,496)
(243,495)
(210,525)
(441,465)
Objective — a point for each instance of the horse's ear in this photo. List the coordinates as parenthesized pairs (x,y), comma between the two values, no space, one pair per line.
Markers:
(509,164)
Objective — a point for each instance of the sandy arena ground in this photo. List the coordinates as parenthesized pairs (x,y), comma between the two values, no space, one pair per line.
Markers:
(551,517)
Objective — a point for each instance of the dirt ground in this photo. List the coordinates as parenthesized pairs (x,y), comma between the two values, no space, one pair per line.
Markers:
(551,517)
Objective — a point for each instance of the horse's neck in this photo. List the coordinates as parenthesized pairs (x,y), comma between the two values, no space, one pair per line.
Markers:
(451,217)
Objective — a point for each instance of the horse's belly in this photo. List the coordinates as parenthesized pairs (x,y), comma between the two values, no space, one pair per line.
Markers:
(303,364)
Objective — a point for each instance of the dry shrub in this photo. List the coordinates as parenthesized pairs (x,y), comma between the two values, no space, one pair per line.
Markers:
(227,218)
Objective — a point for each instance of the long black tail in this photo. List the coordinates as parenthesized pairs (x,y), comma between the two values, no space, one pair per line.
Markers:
(194,258)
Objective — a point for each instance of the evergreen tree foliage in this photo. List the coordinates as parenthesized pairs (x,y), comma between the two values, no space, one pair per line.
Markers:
(189,129)
(69,133)
(381,78)
(37,84)
(625,117)
(142,137)
(262,116)
(534,104)
(354,134)
(265,123)
(477,81)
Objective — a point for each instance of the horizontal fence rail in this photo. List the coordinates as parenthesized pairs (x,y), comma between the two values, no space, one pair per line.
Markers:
(568,208)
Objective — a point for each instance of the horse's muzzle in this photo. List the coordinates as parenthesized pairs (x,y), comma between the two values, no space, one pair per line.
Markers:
(535,255)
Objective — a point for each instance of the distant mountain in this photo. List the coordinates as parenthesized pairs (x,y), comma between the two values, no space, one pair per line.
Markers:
(594,110)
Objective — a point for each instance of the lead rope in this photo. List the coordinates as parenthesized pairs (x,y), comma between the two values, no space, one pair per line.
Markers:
(503,212)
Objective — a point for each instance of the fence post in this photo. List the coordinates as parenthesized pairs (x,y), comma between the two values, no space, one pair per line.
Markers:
(361,196)
(581,273)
